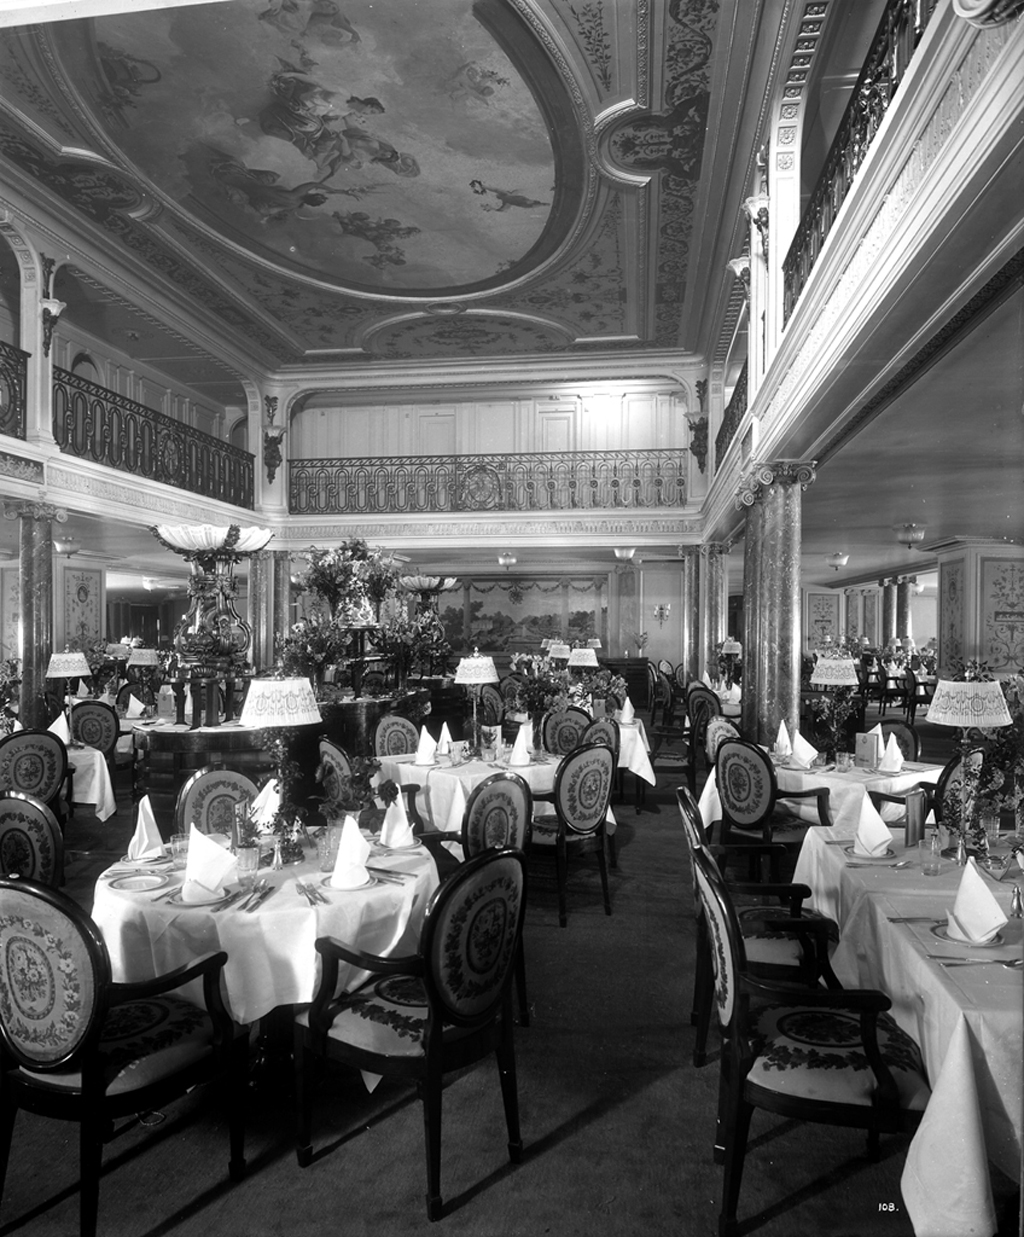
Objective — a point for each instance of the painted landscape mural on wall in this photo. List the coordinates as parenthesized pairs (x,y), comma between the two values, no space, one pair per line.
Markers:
(509,616)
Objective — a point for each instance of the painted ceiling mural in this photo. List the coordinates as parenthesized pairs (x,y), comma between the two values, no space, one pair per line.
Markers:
(392,180)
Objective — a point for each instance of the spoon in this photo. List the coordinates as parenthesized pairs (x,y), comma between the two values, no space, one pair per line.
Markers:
(1014,964)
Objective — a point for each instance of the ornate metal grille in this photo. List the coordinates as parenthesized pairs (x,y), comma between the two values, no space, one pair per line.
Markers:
(13,371)
(93,423)
(562,481)
(732,418)
(899,33)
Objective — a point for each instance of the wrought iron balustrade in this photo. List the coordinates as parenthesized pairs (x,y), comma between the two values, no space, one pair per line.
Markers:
(541,481)
(13,376)
(95,424)
(898,35)
(732,417)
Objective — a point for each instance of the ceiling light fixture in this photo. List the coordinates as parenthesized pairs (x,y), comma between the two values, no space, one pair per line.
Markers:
(507,559)
(66,545)
(909,535)
(624,552)
(837,560)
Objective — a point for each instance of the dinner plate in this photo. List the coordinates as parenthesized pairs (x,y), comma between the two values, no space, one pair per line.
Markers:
(326,883)
(424,764)
(941,931)
(407,846)
(156,861)
(177,900)
(137,882)
(855,854)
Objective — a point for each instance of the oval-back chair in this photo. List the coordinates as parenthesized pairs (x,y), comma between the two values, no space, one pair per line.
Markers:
(96,724)
(907,738)
(86,1049)
(680,677)
(35,762)
(561,729)
(509,686)
(718,729)
(395,736)
(451,1007)
(583,786)
(702,704)
(207,800)
(492,706)
(333,769)
(31,844)
(603,730)
(750,796)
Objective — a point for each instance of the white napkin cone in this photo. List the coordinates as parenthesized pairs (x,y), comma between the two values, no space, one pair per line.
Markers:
(146,841)
(873,838)
(59,727)
(520,751)
(135,707)
(705,678)
(208,869)
(265,806)
(628,712)
(976,916)
(783,747)
(16,727)
(803,753)
(353,851)
(426,748)
(876,729)
(444,742)
(892,757)
(83,691)
(457,811)
(396,830)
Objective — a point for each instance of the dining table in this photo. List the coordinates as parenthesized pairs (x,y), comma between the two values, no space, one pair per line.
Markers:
(91,784)
(848,791)
(272,960)
(960,1004)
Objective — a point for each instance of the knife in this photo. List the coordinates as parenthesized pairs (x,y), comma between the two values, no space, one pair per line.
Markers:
(230,900)
(255,905)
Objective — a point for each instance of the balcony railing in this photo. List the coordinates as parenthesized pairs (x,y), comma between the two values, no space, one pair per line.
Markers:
(95,424)
(898,34)
(732,418)
(13,372)
(556,481)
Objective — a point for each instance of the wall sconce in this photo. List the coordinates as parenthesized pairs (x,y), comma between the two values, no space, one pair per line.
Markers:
(52,310)
(837,560)
(507,559)
(624,552)
(66,546)
(909,535)
(661,613)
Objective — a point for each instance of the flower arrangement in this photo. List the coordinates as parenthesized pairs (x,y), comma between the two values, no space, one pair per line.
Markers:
(640,640)
(312,644)
(1000,783)
(351,579)
(541,685)
(414,643)
(355,794)
(10,684)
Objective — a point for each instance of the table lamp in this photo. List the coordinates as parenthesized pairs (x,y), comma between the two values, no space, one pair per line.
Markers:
(834,672)
(974,704)
(579,659)
(145,661)
(838,676)
(559,650)
(275,706)
(68,666)
(473,672)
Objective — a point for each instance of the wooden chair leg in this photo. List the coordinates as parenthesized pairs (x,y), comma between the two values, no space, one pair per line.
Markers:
(505,1053)
(236,1106)
(303,1101)
(736,1151)
(603,867)
(520,981)
(431,1094)
(90,1140)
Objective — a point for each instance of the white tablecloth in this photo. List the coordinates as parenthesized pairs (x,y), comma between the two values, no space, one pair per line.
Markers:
(271,955)
(848,792)
(92,780)
(967,1021)
(633,749)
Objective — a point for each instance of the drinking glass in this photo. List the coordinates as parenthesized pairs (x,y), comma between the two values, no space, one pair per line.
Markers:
(844,762)
(930,852)
(248,860)
(179,850)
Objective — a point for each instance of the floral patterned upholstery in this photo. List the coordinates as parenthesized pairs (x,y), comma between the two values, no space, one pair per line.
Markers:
(440,1009)
(334,768)
(492,705)
(718,730)
(498,814)
(35,763)
(750,794)
(208,798)
(603,730)
(31,844)
(562,729)
(395,736)
(96,725)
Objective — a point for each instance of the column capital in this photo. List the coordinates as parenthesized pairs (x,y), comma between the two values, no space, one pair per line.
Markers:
(763,473)
(711,549)
(685,552)
(15,509)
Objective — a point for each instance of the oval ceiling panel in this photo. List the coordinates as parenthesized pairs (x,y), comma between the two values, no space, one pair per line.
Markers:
(393,148)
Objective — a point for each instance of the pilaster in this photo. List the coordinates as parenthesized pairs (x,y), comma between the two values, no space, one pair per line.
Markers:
(36,569)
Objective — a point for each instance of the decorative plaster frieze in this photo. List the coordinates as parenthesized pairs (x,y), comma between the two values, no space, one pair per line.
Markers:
(20,469)
(601,527)
(131,495)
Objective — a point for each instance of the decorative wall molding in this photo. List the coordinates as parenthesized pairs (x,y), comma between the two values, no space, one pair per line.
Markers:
(671,529)
(20,469)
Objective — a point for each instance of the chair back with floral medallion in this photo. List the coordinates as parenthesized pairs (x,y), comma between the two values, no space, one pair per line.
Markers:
(492,705)
(718,730)
(395,736)
(604,730)
(562,729)
(34,762)
(95,724)
(727,953)
(207,800)
(499,814)
(31,844)
(470,938)
(583,786)
(746,783)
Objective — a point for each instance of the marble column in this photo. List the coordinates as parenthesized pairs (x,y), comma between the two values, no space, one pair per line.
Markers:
(689,609)
(904,593)
(36,569)
(753,565)
(260,618)
(853,613)
(714,608)
(282,592)
(888,632)
(778,485)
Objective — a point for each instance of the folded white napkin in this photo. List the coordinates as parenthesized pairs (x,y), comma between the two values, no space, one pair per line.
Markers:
(208,869)
(396,830)
(873,836)
(783,747)
(134,708)
(457,811)
(146,841)
(628,712)
(426,748)
(892,757)
(803,755)
(444,742)
(876,729)
(59,727)
(520,752)
(976,916)
(265,806)
(706,679)
(83,691)
(353,851)
(16,727)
